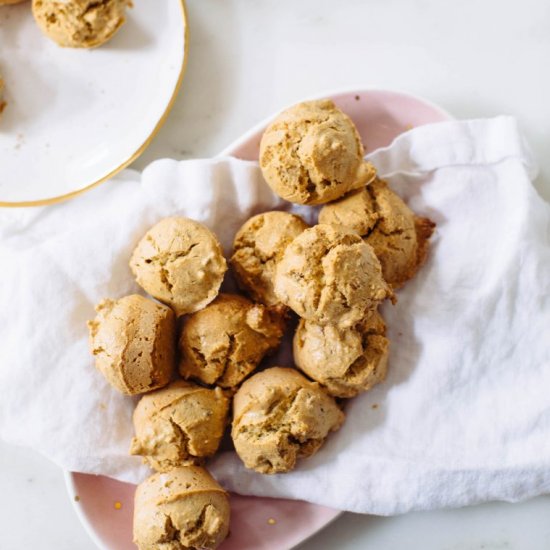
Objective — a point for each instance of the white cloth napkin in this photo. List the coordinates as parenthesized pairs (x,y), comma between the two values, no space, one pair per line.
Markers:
(464,415)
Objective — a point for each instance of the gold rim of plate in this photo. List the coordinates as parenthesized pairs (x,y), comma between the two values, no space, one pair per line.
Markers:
(144,145)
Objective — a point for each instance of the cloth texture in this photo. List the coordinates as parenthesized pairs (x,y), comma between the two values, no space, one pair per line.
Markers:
(463,416)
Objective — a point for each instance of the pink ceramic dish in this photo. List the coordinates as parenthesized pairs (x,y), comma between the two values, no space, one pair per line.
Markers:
(105,506)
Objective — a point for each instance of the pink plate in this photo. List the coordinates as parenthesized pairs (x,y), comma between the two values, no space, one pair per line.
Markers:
(105,506)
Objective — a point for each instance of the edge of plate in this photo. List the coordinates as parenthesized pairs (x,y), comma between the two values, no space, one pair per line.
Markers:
(144,145)
(338,514)
(91,532)
(71,489)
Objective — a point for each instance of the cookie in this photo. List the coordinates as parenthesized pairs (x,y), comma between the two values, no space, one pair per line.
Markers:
(344,362)
(329,275)
(278,417)
(80,23)
(312,154)
(182,508)
(133,342)
(180,262)
(400,239)
(259,245)
(225,342)
(181,423)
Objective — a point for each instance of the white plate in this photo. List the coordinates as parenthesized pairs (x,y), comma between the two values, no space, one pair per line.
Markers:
(76,117)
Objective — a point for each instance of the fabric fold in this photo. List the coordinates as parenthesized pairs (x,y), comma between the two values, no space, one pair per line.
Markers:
(463,416)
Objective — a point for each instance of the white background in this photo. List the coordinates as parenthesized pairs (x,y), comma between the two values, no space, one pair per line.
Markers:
(249,58)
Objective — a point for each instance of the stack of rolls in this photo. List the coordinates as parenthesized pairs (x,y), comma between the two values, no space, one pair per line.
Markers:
(197,354)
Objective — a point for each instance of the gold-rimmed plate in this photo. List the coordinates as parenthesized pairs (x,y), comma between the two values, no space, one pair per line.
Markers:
(74,118)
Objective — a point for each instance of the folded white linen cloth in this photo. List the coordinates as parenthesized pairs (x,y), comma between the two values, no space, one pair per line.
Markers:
(464,414)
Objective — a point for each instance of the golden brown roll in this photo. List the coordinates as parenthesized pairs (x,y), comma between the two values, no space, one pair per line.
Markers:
(180,262)
(80,23)
(184,508)
(225,342)
(133,342)
(312,154)
(399,237)
(179,424)
(280,416)
(328,275)
(345,362)
(258,246)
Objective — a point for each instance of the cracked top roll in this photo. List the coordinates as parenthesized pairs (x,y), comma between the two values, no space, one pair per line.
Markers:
(280,416)
(179,424)
(184,508)
(180,262)
(259,245)
(399,237)
(312,154)
(225,342)
(133,342)
(329,275)
(344,362)
(80,23)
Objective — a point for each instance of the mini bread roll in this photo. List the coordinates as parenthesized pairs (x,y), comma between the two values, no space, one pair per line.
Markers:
(398,237)
(344,362)
(180,262)
(184,508)
(278,417)
(80,23)
(179,424)
(258,246)
(328,275)
(225,342)
(133,342)
(312,154)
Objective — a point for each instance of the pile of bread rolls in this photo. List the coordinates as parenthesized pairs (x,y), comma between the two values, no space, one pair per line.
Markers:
(197,355)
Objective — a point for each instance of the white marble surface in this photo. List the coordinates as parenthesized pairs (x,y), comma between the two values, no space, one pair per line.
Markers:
(249,58)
